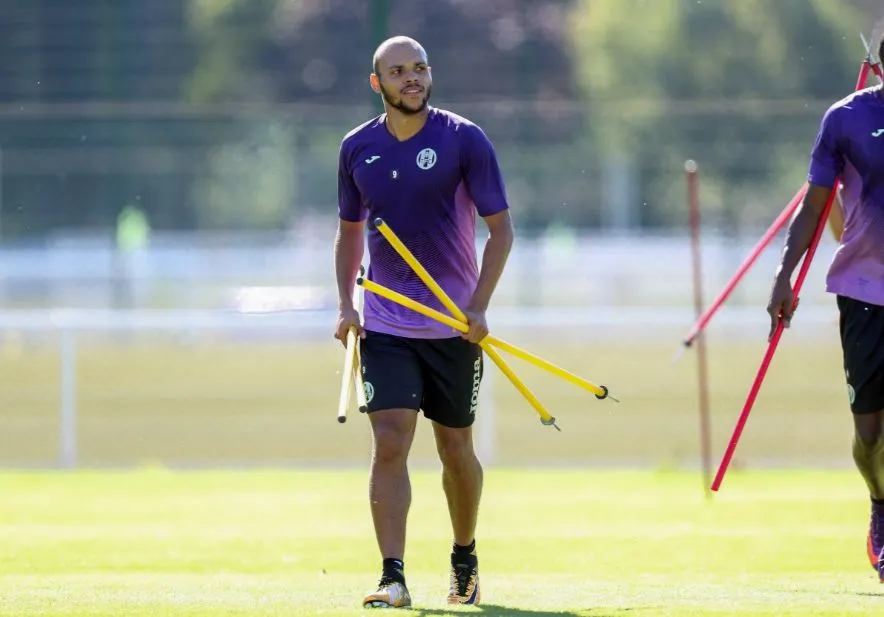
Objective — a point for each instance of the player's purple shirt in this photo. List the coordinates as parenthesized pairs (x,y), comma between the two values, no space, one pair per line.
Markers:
(427,189)
(850,145)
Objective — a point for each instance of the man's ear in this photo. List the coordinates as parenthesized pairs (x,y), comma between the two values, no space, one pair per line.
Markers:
(375,83)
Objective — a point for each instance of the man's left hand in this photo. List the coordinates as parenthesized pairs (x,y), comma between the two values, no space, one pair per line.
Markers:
(478,326)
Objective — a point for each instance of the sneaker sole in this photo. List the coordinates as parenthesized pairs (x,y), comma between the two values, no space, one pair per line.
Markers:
(379,604)
(475,600)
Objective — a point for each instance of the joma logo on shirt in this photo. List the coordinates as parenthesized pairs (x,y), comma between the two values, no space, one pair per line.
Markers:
(878,133)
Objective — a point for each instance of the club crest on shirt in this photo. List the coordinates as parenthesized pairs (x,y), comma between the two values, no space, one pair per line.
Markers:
(426,158)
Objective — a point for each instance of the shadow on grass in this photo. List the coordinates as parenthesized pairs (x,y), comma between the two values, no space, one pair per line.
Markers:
(495,610)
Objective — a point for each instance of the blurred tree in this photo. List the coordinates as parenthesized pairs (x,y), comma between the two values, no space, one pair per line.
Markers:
(669,80)
(68,165)
(91,116)
(518,82)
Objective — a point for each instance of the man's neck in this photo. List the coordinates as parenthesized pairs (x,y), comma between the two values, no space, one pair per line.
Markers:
(403,126)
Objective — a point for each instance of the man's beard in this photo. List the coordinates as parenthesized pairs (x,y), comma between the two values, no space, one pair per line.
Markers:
(400,104)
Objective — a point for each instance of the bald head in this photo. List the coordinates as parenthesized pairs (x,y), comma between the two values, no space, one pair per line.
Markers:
(396,45)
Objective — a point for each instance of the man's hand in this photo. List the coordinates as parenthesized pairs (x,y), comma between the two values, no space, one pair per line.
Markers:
(346,318)
(478,326)
(780,304)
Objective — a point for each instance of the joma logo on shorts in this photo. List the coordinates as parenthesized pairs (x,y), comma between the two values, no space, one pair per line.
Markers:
(477,377)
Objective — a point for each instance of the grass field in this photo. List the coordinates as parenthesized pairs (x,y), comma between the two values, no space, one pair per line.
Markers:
(551,543)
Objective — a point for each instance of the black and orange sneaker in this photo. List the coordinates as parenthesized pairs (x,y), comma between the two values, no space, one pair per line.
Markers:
(463,585)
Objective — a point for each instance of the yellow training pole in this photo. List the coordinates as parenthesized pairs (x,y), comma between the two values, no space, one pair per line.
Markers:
(415,265)
(545,417)
(385,292)
(599,391)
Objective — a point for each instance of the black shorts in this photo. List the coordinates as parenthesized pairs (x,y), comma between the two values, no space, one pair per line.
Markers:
(862,341)
(441,377)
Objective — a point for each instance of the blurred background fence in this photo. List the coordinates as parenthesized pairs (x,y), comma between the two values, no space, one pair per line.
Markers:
(168,165)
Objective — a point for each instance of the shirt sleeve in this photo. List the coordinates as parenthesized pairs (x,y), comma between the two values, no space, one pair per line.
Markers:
(826,157)
(481,172)
(350,206)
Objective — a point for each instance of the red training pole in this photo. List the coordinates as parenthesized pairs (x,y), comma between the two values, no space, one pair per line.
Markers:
(864,71)
(774,341)
(754,254)
(865,68)
(692,178)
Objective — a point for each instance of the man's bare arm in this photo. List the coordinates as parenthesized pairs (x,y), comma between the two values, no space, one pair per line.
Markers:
(497,250)
(802,228)
(349,248)
(836,218)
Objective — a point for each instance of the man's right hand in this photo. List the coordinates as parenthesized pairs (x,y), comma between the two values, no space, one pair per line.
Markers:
(348,318)
(780,304)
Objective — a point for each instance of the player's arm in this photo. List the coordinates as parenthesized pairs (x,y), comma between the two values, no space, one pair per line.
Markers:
(826,164)
(349,247)
(485,185)
(836,218)
(494,258)
(801,229)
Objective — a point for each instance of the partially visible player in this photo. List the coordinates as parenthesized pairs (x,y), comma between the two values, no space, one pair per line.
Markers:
(428,173)
(850,145)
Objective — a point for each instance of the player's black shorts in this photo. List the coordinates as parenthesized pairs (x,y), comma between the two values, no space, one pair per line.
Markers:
(862,341)
(441,377)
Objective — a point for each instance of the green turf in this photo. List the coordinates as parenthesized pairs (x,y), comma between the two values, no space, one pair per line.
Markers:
(551,543)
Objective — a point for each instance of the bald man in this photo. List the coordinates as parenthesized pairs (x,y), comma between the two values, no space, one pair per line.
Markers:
(427,172)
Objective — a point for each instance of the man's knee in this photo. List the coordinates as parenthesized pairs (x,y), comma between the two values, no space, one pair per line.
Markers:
(393,431)
(868,429)
(455,447)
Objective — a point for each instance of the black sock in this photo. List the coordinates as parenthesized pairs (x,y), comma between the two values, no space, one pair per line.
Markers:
(395,570)
(463,554)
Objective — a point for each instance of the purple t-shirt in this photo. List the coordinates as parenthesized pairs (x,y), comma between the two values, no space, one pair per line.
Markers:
(428,190)
(850,145)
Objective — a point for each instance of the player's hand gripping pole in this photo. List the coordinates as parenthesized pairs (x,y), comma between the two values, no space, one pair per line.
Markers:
(775,227)
(868,65)
(443,297)
(774,341)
